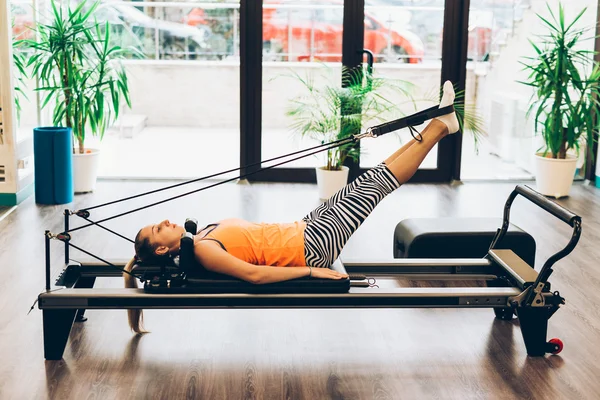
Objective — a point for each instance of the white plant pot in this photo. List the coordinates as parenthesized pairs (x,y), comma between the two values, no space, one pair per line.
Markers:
(554,177)
(329,182)
(85,170)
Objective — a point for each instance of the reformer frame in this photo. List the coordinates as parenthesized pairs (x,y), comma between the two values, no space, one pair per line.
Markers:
(514,287)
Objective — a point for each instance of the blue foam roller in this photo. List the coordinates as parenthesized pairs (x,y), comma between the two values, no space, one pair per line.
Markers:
(53,165)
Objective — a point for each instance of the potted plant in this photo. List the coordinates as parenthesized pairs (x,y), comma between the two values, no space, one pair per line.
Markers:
(565,101)
(331,112)
(80,74)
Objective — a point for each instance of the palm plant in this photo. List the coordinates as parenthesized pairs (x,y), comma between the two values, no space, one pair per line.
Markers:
(566,83)
(79,70)
(331,112)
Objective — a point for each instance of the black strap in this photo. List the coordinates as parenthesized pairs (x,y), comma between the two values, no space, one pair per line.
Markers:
(214,226)
(100,259)
(414,131)
(215,240)
(411,120)
(109,230)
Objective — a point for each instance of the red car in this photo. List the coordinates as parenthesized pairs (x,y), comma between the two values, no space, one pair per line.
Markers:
(22,19)
(303,33)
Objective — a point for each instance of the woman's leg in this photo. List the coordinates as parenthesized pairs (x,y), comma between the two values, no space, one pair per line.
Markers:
(449,120)
(326,236)
(340,194)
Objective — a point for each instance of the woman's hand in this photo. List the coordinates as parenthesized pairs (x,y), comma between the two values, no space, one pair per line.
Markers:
(326,273)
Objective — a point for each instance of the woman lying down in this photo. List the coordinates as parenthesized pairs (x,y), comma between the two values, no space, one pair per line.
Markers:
(255,252)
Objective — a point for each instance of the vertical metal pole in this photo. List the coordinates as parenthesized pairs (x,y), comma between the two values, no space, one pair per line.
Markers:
(156,38)
(251,34)
(512,21)
(236,33)
(454,68)
(353,43)
(389,37)
(47,239)
(312,35)
(290,35)
(66,243)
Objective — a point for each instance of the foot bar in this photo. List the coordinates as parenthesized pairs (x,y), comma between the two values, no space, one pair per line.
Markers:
(521,272)
(411,120)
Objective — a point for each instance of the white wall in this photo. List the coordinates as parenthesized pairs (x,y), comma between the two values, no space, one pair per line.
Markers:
(506,71)
(8,161)
(518,143)
(206,94)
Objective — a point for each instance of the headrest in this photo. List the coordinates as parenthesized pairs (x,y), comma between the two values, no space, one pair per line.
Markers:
(187,260)
(191,226)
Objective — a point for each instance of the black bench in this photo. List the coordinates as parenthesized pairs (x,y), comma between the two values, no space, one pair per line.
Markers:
(458,238)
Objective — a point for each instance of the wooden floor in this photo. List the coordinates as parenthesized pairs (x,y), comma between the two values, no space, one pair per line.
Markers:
(299,354)
(3,211)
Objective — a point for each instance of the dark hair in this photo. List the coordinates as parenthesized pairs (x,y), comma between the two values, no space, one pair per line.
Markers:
(144,250)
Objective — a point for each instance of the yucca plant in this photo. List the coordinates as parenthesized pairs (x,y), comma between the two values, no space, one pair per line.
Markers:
(79,70)
(566,82)
(332,111)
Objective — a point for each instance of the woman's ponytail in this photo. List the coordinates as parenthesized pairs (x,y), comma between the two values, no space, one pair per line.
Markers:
(135,316)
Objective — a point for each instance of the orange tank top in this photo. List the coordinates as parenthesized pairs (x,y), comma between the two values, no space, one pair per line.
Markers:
(280,244)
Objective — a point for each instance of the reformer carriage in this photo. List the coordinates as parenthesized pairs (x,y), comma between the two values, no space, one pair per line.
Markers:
(513,286)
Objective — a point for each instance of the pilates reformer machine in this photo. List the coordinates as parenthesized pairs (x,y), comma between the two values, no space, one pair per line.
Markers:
(513,286)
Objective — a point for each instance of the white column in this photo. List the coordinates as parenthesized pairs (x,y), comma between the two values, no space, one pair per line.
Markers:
(8,162)
(15,183)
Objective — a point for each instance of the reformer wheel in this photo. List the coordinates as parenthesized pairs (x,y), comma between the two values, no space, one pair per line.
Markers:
(505,313)
(554,346)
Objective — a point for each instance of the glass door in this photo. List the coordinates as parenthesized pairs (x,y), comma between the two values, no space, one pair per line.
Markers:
(493,68)
(406,42)
(308,46)
(184,87)
(497,49)
(301,70)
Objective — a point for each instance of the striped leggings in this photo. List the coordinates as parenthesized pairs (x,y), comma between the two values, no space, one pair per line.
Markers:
(330,225)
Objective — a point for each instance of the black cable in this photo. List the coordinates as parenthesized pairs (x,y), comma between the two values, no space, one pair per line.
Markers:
(379,130)
(110,230)
(181,184)
(208,176)
(101,259)
(414,130)
(347,140)
(321,147)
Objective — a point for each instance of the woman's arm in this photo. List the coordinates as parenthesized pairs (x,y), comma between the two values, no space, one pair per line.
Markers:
(215,259)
